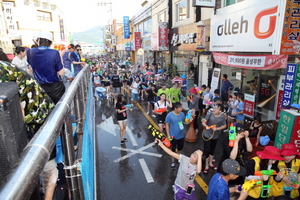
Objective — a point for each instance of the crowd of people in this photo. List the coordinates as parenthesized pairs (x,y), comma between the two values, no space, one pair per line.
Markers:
(272,173)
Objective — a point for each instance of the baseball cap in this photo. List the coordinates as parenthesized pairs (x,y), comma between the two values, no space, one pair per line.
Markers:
(45,34)
(231,166)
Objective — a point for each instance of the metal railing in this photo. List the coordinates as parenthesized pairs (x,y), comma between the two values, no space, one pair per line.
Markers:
(23,178)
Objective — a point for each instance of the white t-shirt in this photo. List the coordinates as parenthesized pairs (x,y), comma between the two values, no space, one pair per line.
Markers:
(186,172)
(136,85)
(20,63)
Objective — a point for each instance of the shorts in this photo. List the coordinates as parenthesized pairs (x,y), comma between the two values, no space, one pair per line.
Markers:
(177,144)
(116,90)
(122,120)
(161,118)
(180,193)
(135,97)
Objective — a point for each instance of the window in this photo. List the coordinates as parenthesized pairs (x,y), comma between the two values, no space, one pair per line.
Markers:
(182,10)
(230,2)
(147,26)
(42,15)
(161,17)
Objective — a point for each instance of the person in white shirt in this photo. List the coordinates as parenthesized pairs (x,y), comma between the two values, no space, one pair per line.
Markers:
(20,60)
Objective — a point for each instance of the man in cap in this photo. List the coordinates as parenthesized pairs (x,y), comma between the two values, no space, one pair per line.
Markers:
(218,186)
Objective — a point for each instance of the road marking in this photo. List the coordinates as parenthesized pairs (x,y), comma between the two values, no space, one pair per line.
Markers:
(131,137)
(138,151)
(201,183)
(107,126)
(146,171)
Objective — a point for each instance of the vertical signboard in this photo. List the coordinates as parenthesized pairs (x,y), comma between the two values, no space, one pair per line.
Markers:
(296,84)
(200,40)
(163,36)
(249,102)
(289,84)
(291,28)
(285,128)
(295,138)
(137,40)
(215,79)
(62,30)
(154,41)
(126,27)
(9,16)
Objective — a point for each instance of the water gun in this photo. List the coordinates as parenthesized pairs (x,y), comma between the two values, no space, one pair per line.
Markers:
(249,184)
(208,103)
(127,106)
(146,88)
(188,116)
(232,134)
(265,191)
(59,47)
(198,89)
(210,127)
(265,172)
(161,110)
(82,59)
(157,134)
(190,97)
(293,177)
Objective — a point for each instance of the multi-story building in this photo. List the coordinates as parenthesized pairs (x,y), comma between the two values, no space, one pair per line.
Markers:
(25,18)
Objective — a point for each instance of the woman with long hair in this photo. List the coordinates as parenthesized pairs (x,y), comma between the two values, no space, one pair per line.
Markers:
(163,103)
(122,116)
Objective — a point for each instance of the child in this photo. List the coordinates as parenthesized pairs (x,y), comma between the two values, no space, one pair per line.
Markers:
(184,187)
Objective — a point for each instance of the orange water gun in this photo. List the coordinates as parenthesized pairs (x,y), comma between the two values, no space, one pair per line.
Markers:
(59,47)
(161,110)
(210,127)
(265,172)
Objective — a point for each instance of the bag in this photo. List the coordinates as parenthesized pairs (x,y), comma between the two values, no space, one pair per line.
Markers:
(116,81)
(204,128)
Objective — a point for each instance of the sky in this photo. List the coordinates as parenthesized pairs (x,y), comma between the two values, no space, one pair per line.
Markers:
(81,15)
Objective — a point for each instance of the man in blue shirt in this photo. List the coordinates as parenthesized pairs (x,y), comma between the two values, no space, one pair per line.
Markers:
(226,88)
(174,128)
(218,186)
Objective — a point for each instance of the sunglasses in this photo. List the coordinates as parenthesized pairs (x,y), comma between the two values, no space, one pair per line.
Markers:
(78,49)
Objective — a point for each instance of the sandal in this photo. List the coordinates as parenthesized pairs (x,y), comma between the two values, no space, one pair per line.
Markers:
(213,167)
(205,171)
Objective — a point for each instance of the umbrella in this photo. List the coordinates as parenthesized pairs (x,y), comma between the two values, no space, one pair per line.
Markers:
(148,73)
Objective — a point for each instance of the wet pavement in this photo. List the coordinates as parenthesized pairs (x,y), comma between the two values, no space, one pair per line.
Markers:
(139,169)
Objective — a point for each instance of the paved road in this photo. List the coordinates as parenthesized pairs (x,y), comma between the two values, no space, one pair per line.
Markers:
(139,169)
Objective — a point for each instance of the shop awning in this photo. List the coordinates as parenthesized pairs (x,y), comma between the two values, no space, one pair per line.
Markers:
(261,62)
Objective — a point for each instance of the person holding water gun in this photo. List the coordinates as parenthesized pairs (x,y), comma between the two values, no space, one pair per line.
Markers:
(162,104)
(122,116)
(290,168)
(193,104)
(239,151)
(265,160)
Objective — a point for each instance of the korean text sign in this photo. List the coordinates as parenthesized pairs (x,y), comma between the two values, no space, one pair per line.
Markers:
(289,84)
(126,27)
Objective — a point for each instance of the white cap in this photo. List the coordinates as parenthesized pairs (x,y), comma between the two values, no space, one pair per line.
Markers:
(45,34)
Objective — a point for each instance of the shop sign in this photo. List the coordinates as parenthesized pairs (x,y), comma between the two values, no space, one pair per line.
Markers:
(126,27)
(280,87)
(267,92)
(204,3)
(127,46)
(291,28)
(9,16)
(296,86)
(256,20)
(163,36)
(200,41)
(249,102)
(146,43)
(62,30)
(137,40)
(178,39)
(215,79)
(154,41)
(295,138)
(251,61)
(290,77)
(284,129)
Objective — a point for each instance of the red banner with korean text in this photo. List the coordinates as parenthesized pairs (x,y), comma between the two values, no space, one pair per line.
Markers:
(249,102)
(137,40)
(290,43)
(163,41)
(279,101)
(261,62)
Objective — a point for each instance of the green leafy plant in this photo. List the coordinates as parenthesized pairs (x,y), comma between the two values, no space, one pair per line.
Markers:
(173,69)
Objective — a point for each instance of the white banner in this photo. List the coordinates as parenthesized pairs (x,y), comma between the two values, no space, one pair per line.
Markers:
(10,17)
(215,79)
(206,3)
(248,26)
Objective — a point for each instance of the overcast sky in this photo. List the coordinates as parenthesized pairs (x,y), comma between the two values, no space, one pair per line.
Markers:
(81,15)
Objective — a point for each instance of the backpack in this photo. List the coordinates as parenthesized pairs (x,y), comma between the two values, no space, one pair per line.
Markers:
(116,81)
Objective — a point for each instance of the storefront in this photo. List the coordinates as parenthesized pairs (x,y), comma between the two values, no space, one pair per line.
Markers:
(183,47)
(246,47)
